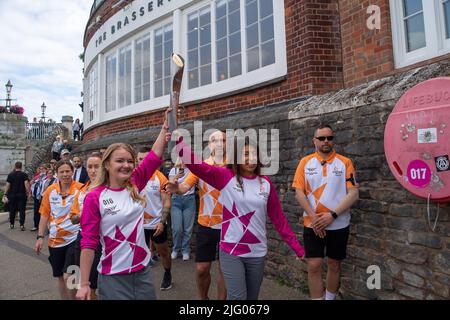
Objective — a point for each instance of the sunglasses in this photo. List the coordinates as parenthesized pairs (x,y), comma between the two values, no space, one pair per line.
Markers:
(329,138)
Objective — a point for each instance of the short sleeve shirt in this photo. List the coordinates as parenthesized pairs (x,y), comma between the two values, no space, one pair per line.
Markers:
(325,186)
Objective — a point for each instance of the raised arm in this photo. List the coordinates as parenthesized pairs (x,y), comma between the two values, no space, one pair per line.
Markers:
(153,160)
(217,177)
(161,142)
(145,170)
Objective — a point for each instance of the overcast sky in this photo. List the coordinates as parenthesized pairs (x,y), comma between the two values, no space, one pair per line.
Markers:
(40,42)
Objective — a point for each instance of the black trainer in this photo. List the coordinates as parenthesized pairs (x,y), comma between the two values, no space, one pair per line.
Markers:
(166,283)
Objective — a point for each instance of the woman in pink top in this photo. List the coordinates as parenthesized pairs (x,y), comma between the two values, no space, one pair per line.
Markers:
(113,214)
(247,198)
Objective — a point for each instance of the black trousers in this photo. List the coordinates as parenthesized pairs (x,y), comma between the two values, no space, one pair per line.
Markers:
(56,156)
(17,203)
(37,215)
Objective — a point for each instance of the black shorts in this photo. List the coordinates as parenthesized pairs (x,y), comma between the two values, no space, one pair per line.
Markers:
(334,245)
(93,276)
(160,239)
(61,258)
(207,246)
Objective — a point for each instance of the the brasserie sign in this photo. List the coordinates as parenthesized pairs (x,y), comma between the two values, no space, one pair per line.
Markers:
(133,16)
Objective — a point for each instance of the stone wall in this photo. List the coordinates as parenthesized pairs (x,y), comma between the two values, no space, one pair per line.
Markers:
(12,142)
(389,226)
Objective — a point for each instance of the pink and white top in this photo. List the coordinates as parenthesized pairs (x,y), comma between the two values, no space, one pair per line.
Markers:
(112,217)
(245,210)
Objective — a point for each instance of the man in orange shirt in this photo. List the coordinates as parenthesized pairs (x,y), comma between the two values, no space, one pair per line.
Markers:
(326,189)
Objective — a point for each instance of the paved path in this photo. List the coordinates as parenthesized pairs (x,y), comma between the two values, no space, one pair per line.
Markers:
(24,275)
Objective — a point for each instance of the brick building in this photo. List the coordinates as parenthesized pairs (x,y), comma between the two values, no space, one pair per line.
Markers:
(287,65)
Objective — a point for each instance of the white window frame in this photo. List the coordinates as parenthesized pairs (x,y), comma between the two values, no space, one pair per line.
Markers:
(247,80)
(152,60)
(227,39)
(116,109)
(441,24)
(436,43)
(86,102)
(191,11)
(143,106)
(127,47)
(92,93)
(228,87)
(146,35)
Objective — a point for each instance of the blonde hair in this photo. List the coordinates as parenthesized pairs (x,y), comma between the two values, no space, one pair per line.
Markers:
(103,176)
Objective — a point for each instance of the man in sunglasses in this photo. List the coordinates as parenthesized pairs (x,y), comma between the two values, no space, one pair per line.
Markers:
(326,189)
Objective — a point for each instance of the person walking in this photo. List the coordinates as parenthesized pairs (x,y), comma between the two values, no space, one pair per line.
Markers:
(182,213)
(248,198)
(49,180)
(113,214)
(36,191)
(55,209)
(326,188)
(16,190)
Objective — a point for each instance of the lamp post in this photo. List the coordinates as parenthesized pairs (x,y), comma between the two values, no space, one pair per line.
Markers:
(8,96)
(43,107)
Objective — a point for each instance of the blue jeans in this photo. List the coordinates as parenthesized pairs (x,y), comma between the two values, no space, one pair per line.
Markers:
(182,216)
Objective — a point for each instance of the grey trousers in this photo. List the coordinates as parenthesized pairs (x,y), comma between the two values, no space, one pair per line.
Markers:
(243,276)
(134,286)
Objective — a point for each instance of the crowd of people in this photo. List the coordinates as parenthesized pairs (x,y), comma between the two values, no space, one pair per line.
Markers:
(111,217)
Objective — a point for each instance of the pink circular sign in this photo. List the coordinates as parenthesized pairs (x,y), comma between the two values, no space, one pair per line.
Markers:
(419,173)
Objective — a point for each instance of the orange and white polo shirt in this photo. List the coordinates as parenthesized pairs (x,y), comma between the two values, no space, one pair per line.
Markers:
(325,185)
(210,209)
(154,207)
(57,208)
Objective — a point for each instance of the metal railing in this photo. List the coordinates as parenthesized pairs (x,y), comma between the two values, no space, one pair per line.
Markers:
(41,130)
